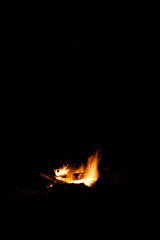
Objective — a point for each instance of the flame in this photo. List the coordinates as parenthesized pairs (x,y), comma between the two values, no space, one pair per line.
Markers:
(87,174)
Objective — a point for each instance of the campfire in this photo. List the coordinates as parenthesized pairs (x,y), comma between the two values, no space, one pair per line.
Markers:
(86,173)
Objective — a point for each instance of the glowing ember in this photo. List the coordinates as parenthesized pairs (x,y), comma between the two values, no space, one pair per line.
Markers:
(87,174)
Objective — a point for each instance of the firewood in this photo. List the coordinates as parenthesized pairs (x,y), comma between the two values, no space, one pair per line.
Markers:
(54,180)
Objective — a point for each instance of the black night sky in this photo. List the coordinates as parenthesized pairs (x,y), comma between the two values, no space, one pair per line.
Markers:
(74,83)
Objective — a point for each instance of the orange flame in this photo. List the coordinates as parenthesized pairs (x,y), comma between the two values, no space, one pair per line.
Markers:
(87,174)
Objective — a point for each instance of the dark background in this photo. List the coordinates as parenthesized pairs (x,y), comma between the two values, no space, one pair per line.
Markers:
(73,79)
(74,82)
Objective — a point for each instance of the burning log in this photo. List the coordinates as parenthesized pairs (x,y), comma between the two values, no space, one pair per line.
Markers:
(47,177)
(54,180)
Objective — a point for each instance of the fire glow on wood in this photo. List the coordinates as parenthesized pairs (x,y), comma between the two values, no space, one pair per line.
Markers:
(87,174)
